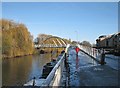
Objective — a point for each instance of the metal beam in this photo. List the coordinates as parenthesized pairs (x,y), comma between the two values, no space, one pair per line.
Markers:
(59,42)
(55,43)
(63,42)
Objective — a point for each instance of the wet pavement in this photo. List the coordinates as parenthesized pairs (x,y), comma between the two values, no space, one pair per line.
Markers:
(84,71)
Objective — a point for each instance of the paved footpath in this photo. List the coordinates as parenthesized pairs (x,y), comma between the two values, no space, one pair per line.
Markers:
(84,71)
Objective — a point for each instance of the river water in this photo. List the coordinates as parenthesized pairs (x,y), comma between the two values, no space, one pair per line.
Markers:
(18,71)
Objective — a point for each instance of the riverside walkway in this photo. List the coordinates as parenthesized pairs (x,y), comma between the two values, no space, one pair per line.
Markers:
(84,71)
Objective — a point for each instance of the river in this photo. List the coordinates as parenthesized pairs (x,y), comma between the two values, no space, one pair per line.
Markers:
(18,71)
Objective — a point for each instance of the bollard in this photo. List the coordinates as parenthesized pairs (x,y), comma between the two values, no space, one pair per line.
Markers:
(34,81)
(102,62)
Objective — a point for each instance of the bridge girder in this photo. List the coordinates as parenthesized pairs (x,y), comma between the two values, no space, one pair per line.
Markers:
(53,42)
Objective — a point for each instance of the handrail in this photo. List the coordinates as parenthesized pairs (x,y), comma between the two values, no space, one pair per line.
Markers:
(52,78)
(52,73)
(90,52)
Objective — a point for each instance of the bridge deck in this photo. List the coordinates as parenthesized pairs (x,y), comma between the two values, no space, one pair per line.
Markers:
(86,72)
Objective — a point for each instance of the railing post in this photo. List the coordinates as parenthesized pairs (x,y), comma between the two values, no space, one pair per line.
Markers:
(57,52)
(67,66)
(77,60)
(51,55)
(67,70)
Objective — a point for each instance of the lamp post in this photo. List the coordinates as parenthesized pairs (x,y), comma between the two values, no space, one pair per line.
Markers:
(76,36)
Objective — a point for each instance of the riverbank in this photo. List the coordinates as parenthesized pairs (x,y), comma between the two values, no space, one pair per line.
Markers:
(35,52)
(8,57)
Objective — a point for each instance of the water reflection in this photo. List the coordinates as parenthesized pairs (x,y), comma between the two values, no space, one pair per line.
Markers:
(17,71)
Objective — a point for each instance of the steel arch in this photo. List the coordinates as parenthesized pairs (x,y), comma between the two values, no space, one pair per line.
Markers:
(54,37)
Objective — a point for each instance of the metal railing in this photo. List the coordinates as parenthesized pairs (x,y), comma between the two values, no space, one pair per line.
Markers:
(48,45)
(55,76)
(92,52)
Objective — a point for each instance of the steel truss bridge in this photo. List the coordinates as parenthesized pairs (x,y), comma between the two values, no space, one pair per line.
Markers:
(52,42)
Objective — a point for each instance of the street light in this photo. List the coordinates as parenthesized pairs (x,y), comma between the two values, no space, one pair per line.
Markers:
(76,36)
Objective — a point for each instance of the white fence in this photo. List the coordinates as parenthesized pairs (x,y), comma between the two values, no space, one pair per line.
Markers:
(55,76)
(95,53)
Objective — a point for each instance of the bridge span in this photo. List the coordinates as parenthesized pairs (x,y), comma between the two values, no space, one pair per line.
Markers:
(52,42)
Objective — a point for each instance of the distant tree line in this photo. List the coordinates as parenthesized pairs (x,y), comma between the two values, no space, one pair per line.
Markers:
(16,40)
(84,43)
(41,37)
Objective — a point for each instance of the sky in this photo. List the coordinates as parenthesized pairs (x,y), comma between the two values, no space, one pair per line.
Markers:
(72,20)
